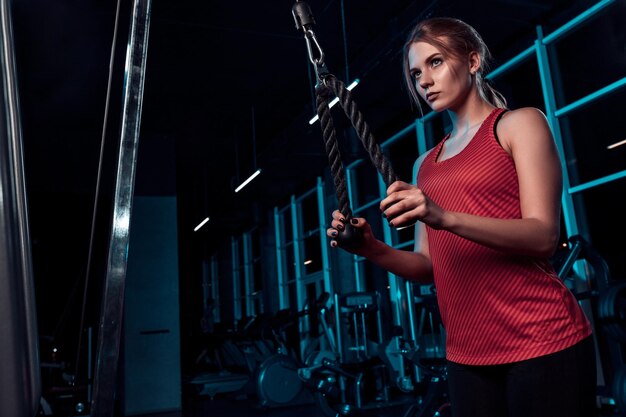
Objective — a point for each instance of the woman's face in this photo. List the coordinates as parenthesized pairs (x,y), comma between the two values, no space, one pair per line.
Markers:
(442,81)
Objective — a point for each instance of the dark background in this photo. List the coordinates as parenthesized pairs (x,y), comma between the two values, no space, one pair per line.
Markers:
(228,89)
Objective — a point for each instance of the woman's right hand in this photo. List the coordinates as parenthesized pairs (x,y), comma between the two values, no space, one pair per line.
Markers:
(338,224)
(406,204)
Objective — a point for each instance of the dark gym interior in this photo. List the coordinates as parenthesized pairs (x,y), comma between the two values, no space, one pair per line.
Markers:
(228,303)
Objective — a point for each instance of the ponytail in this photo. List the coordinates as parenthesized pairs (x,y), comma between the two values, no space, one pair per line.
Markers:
(489,93)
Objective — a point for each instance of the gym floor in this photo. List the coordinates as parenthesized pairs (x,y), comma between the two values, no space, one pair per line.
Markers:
(227,405)
(224,406)
(239,405)
(204,406)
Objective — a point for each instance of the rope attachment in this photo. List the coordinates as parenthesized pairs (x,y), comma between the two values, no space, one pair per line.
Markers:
(326,87)
(350,237)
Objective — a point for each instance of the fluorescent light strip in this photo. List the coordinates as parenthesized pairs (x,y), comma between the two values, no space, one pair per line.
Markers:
(336,100)
(243,184)
(615,145)
(202,223)
(353,84)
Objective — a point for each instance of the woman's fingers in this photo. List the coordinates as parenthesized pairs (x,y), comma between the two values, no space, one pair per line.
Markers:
(403,220)
(338,216)
(395,193)
(397,203)
(336,224)
(332,233)
(338,221)
(389,201)
(341,225)
(353,238)
(403,208)
(398,186)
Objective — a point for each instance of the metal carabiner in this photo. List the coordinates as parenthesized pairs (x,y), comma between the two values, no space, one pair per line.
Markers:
(320,67)
(304,20)
(311,40)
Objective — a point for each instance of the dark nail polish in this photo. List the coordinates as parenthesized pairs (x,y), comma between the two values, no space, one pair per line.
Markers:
(340,226)
(342,220)
(333,233)
(384,215)
(354,221)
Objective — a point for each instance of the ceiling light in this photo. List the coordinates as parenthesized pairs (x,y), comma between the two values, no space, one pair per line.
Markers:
(243,184)
(336,100)
(308,262)
(616,144)
(202,223)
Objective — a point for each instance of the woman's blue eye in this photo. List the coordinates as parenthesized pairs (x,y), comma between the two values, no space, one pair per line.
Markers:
(435,62)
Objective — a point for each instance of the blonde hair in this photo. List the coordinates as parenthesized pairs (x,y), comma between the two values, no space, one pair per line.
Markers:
(456,39)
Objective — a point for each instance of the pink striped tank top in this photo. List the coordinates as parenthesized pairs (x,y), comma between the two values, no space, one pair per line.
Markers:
(496,307)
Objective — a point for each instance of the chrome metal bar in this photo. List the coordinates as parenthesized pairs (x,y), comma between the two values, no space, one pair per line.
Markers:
(20,381)
(113,297)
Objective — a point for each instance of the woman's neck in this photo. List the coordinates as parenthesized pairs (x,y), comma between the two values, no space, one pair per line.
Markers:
(473,111)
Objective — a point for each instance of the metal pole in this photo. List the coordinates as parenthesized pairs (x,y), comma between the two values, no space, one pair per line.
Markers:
(20,381)
(113,298)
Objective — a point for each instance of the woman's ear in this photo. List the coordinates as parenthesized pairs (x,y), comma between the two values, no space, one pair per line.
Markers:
(474,62)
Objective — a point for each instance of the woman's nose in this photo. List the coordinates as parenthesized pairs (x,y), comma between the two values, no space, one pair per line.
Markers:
(425,81)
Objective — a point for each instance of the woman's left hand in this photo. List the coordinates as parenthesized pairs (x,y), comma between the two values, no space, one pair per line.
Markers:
(405,204)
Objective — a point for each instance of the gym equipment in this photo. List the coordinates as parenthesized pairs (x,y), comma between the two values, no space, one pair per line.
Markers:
(612,311)
(261,361)
(112,307)
(326,86)
(277,378)
(362,375)
(607,300)
(238,354)
(212,384)
(20,377)
(619,389)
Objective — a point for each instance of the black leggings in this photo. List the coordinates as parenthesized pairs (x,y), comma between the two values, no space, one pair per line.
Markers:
(562,384)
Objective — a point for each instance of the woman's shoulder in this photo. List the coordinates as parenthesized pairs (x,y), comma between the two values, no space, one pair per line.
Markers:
(523,116)
(522,124)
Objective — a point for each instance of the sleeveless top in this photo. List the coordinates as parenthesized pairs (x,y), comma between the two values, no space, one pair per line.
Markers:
(496,307)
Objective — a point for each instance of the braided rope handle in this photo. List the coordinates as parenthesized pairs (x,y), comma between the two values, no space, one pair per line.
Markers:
(322,95)
(363,130)
(349,237)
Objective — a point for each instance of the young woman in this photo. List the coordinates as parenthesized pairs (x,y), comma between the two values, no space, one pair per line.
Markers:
(486,207)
